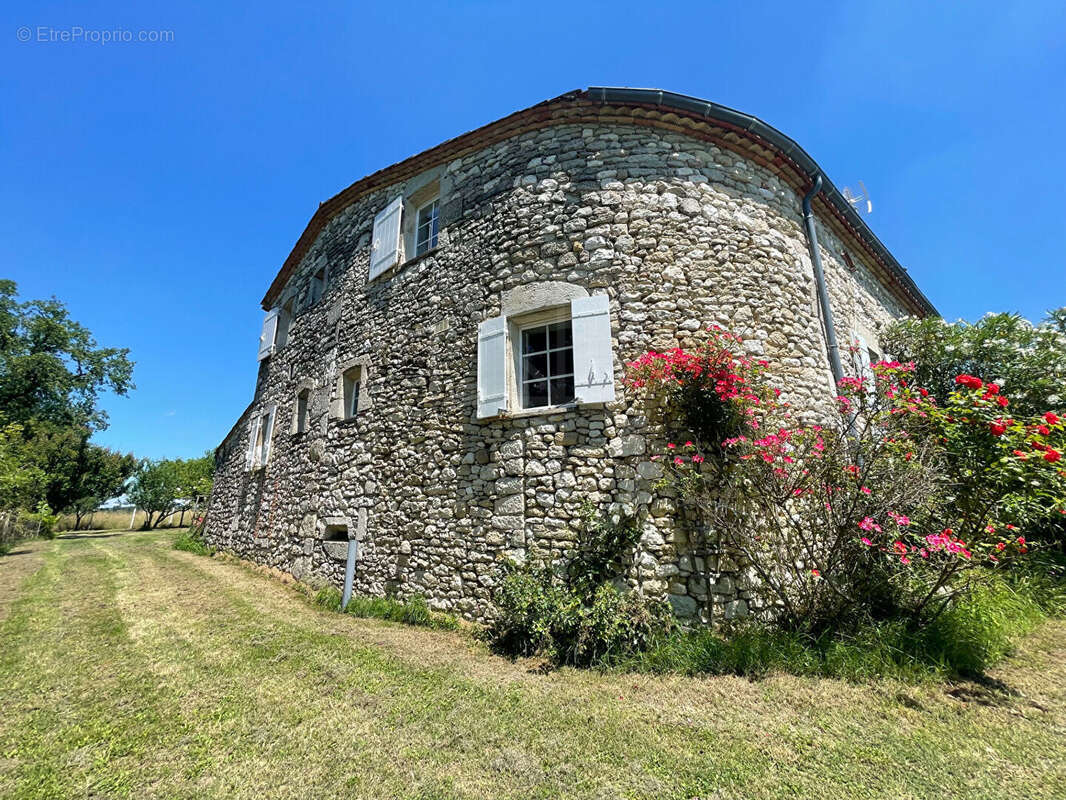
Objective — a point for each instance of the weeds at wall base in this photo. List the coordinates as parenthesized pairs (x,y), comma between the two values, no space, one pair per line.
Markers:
(964,642)
(409,612)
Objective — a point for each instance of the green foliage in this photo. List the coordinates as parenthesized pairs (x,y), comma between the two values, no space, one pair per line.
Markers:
(158,484)
(45,518)
(51,374)
(581,616)
(21,483)
(1028,361)
(976,631)
(415,611)
(191,541)
(537,614)
(51,368)
(328,598)
(603,549)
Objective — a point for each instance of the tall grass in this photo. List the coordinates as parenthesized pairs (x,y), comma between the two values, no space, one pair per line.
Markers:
(120,520)
(410,612)
(965,640)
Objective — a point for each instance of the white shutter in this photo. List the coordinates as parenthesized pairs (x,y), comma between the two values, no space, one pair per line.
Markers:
(253,440)
(491,363)
(268,432)
(593,355)
(385,248)
(270,331)
(862,357)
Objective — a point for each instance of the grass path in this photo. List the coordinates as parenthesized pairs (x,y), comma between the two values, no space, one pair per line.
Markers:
(128,669)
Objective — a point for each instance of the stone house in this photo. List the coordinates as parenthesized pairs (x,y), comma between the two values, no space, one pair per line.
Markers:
(441,357)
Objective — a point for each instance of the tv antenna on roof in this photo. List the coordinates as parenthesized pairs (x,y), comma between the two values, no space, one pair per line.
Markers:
(860,200)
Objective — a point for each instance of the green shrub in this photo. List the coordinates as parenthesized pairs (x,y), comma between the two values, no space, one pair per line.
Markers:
(540,615)
(192,542)
(5,547)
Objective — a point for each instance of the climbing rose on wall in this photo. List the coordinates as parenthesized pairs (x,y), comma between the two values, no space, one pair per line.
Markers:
(893,504)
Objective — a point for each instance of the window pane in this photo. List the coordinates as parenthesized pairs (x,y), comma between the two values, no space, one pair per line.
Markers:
(561,334)
(562,390)
(535,366)
(534,394)
(562,362)
(534,339)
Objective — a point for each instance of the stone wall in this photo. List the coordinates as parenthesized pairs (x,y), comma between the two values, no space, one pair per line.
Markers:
(678,233)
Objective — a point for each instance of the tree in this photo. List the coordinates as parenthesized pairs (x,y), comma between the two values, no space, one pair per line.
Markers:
(197,475)
(102,474)
(51,369)
(1026,361)
(21,486)
(155,487)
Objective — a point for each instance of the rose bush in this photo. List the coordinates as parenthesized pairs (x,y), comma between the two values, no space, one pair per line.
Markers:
(888,509)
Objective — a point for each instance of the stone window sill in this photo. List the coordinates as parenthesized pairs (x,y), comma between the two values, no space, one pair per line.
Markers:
(543,411)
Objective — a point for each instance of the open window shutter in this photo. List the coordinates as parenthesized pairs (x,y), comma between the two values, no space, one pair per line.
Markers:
(253,439)
(270,330)
(593,355)
(268,431)
(491,360)
(386,245)
(862,357)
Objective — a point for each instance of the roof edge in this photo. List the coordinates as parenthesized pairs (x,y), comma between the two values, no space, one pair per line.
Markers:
(738,121)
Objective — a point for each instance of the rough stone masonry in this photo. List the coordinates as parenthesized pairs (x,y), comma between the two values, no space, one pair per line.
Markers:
(623,225)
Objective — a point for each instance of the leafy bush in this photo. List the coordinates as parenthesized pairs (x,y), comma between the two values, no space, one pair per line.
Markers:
(886,511)
(1027,361)
(538,614)
(191,541)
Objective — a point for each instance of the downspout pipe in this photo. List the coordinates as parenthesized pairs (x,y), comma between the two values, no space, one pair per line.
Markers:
(819,280)
(349,572)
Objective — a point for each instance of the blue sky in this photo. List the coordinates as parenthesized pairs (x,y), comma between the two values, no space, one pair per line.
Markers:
(156,188)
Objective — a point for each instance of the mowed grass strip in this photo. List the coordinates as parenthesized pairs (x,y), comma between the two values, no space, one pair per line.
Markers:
(128,669)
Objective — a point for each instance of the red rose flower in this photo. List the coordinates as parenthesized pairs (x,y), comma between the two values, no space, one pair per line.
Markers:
(997,427)
(1052,418)
(1003,401)
(969,381)
(1051,455)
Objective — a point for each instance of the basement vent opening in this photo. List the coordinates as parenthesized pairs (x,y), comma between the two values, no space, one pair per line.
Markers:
(336,533)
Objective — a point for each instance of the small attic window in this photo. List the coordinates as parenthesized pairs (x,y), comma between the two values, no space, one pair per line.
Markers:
(847,261)
(318,286)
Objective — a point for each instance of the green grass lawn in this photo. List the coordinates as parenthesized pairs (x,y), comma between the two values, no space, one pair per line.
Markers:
(129,669)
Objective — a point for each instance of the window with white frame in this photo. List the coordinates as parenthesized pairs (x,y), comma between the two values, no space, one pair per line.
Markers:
(350,391)
(546,359)
(546,369)
(427,227)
